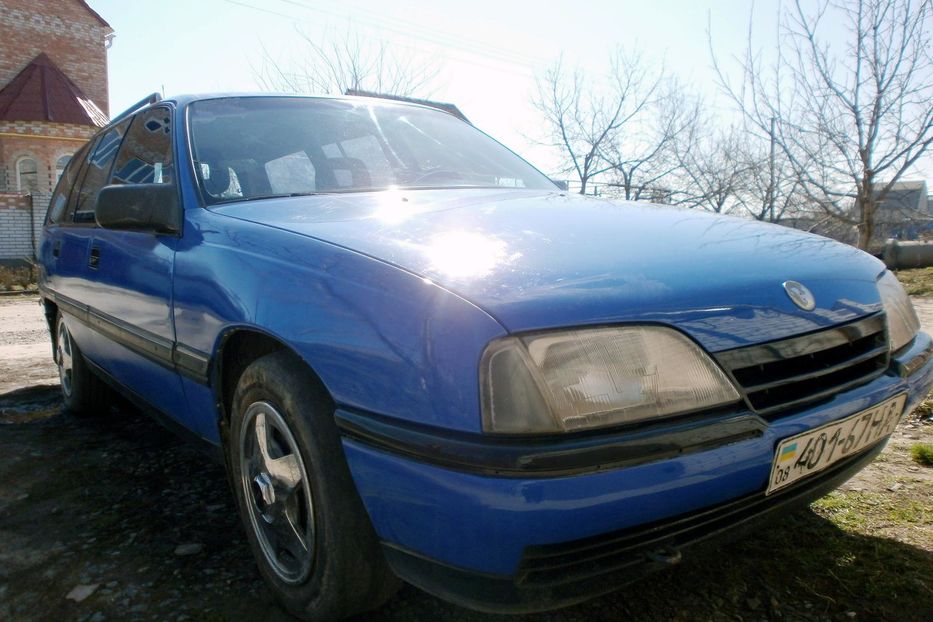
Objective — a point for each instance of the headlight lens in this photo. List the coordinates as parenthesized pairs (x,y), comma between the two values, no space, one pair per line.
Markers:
(573,380)
(903,324)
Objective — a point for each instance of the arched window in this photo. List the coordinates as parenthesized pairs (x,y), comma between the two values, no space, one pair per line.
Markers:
(27,176)
(60,165)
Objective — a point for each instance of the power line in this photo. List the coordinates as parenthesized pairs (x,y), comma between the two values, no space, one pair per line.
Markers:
(258,8)
(495,63)
(386,22)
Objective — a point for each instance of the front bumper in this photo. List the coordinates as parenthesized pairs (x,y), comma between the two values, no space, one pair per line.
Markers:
(507,537)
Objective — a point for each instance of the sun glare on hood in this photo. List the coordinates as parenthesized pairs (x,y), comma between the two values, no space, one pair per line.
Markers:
(461,254)
(393,207)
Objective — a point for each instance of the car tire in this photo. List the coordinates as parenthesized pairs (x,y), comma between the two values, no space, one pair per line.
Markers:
(305,522)
(82,392)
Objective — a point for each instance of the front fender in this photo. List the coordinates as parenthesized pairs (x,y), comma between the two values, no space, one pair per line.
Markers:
(380,338)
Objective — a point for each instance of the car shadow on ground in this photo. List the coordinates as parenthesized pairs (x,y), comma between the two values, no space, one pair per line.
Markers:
(118,503)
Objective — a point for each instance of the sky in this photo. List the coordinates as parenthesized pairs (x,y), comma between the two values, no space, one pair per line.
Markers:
(489,52)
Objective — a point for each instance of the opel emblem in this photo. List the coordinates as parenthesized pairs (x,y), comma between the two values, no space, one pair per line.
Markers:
(800,295)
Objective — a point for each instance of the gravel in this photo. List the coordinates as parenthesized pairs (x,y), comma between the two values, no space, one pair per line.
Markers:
(113,518)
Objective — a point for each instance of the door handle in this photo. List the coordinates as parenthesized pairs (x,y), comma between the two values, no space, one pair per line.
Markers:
(57,248)
(94,260)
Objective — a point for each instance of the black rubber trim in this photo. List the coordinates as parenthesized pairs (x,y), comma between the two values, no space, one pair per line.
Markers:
(70,306)
(196,365)
(141,341)
(552,455)
(663,544)
(169,354)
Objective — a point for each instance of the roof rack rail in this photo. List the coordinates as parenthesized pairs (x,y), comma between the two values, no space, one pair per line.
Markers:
(145,101)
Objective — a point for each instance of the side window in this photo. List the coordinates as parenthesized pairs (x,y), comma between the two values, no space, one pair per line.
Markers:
(66,181)
(146,154)
(97,171)
(60,165)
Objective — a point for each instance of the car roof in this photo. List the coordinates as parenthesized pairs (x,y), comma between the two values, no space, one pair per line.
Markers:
(187,99)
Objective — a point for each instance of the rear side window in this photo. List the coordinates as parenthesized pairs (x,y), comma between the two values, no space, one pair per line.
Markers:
(97,171)
(59,202)
(146,154)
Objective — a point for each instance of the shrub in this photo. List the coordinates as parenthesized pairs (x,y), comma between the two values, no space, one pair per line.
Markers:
(922,453)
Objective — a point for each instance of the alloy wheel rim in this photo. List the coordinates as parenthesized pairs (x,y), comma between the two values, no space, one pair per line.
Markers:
(277,492)
(65,359)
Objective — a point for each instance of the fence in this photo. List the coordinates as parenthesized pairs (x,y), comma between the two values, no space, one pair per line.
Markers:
(21,218)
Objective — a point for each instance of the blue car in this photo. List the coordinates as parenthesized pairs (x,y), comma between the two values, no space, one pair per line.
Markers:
(420,359)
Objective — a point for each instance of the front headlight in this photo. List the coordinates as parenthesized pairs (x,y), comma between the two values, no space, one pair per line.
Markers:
(587,378)
(903,324)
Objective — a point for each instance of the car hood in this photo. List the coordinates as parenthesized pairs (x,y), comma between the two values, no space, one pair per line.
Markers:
(537,260)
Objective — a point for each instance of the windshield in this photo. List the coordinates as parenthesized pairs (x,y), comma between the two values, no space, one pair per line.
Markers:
(253,147)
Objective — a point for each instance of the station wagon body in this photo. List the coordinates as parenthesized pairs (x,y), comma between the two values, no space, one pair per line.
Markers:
(535,396)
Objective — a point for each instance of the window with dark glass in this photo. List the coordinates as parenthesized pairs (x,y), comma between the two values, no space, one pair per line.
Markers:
(60,165)
(97,171)
(66,181)
(146,154)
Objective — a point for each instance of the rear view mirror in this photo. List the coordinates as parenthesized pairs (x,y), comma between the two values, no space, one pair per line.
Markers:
(139,207)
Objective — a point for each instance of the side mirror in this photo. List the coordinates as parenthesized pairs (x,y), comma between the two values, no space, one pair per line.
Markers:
(139,207)
(563,185)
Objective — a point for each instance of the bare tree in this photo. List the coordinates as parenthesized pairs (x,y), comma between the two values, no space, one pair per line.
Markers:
(731,171)
(712,171)
(584,116)
(771,189)
(644,155)
(851,121)
(347,62)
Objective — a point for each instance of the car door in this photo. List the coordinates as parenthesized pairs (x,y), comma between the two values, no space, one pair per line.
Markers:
(57,270)
(66,248)
(130,277)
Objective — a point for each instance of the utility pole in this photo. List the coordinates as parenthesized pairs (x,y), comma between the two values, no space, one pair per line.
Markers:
(771,174)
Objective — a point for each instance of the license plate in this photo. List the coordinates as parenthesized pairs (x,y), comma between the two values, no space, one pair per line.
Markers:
(811,452)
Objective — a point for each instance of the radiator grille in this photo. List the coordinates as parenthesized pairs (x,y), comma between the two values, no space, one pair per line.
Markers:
(779,376)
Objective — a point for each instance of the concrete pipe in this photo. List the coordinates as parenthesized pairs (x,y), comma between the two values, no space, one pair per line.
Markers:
(905,254)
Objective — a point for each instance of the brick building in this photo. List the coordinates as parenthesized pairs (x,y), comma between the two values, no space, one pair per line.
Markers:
(53,97)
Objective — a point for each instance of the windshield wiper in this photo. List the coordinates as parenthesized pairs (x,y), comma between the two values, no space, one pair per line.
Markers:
(280,195)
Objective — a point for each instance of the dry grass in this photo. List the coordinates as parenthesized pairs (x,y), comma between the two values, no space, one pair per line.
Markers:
(21,276)
(918,281)
(924,412)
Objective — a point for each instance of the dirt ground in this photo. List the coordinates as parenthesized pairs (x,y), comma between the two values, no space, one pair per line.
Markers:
(25,350)
(113,518)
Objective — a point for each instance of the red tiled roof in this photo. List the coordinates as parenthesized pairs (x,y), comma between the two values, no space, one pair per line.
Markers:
(41,92)
(94,13)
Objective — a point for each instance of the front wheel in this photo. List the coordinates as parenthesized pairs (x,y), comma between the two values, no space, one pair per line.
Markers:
(307,527)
